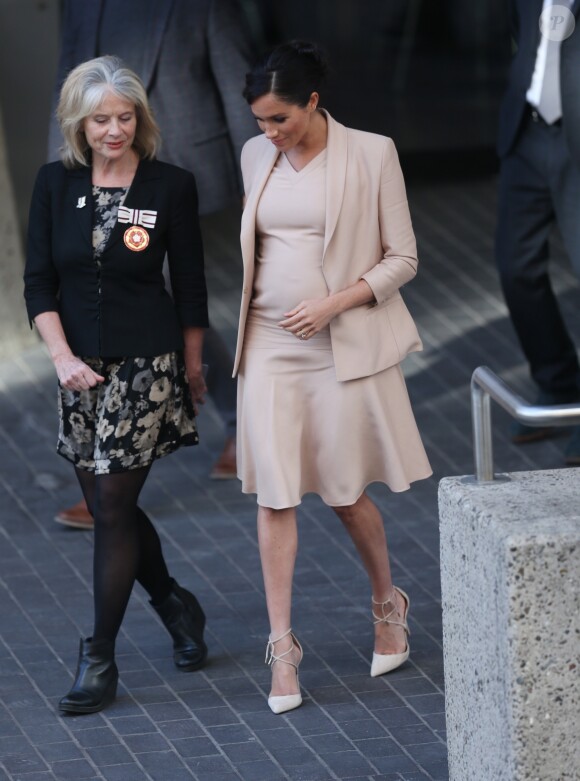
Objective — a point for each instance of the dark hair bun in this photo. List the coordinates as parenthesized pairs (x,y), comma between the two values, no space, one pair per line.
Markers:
(292,71)
(310,49)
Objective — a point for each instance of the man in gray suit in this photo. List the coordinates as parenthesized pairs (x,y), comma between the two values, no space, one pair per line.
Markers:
(192,56)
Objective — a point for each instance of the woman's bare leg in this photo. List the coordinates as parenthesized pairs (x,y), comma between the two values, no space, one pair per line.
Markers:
(364,524)
(278,542)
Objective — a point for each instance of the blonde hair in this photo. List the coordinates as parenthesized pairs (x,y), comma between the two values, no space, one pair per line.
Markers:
(84,90)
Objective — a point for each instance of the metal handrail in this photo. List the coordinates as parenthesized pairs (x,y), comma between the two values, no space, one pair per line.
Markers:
(485,384)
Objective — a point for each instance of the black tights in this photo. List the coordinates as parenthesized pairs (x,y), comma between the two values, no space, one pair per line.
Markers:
(127,547)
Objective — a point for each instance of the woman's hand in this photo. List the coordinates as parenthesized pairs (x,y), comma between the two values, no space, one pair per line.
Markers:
(197,387)
(309,317)
(74,374)
(314,314)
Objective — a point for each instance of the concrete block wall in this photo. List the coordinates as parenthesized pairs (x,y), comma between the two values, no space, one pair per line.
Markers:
(510,572)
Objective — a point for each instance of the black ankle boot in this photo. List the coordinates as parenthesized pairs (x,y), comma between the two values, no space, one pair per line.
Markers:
(96,678)
(185,621)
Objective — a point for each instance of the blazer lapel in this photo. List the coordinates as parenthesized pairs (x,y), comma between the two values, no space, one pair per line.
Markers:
(80,201)
(336,161)
(248,226)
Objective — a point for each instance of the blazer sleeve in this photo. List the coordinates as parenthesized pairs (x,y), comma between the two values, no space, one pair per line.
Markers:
(41,281)
(399,262)
(185,256)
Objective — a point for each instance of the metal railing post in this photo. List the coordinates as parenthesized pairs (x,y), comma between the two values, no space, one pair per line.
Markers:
(486,385)
(482,440)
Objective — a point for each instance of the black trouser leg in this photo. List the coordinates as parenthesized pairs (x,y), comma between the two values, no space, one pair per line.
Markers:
(526,213)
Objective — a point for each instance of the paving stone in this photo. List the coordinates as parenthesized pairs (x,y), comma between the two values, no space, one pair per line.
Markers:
(347,764)
(378,747)
(238,753)
(195,747)
(50,733)
(260,771)
(52,752)
(102,756)
(437,769)
(72,769)
(310,770)
(412,734)
(211,768)
(427,704)
(334,741)
(424,753)
(390,777)
(30,777)
(230,734)
(216,716)
(436,721)
(27,762)
(399,763)
(185,728)
(147,742)
(162,762)
(96,736)
(124,773)
(165,711)
(364,728)
(282,737)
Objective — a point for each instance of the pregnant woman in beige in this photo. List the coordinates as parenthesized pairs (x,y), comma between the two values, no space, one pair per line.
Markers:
(327,242)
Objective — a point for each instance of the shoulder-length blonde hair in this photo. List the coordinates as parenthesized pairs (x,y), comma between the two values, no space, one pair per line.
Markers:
(83,91)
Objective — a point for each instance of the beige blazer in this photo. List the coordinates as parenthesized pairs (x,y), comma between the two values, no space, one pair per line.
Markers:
(368,236)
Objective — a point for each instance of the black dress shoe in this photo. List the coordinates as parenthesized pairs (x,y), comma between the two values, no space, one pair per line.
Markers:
(96,678)
(184,619)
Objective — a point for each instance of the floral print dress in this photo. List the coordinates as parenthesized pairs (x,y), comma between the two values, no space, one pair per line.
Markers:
(143,410)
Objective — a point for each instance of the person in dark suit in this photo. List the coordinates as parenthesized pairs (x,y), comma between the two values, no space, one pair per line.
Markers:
(539,148)
(191,55)
(126,353)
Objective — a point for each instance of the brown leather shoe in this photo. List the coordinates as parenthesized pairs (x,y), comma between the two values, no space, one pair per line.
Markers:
(77,516)
(225,468)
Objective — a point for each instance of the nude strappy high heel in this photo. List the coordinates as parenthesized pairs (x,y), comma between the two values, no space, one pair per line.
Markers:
(284,702)
(384,663)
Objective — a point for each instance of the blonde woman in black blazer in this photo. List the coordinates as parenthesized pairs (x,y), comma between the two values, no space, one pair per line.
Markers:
(127,355)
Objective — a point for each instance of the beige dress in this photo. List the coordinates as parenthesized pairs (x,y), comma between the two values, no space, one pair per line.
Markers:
(299,429)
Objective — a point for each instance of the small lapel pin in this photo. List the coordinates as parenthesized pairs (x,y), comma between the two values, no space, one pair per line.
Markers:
(82,202)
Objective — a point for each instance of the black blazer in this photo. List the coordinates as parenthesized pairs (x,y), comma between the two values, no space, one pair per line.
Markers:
(526,33)
(122,308)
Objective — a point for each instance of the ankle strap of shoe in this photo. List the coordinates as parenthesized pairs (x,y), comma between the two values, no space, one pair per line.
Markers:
(271,657)
(385,618)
